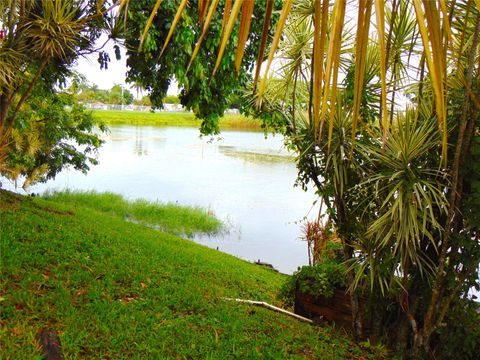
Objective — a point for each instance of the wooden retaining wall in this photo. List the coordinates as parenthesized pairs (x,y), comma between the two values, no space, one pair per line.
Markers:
(337,309)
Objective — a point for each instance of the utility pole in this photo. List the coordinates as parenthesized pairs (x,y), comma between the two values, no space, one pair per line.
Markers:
(121,87)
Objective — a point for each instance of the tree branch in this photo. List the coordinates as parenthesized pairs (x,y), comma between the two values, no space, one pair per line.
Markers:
(27,92)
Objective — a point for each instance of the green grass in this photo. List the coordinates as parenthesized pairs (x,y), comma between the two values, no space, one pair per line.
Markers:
(125,117)
(118,290)
(171,218)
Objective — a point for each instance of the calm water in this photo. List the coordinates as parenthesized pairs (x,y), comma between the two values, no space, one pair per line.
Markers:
(245,179)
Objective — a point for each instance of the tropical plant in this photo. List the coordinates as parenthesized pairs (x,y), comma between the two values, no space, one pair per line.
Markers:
(40,42)
(167,40)
(52,132)
(393,177)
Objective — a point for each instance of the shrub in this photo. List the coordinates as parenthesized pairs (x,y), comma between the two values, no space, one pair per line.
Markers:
(460,337)
(321,279)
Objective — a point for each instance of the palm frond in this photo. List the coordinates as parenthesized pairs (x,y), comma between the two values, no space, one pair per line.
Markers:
(332,66)
(227,31)
(364,12)
(413,194)
(380,16)
(263,41)
(211,12)
(226,14)
(149,22)
(320,25)
(435,56)
(178,15)
(57,31)
(245,20)
(281,23)
(202,11)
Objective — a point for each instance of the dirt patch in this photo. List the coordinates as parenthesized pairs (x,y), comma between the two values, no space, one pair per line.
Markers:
(55,211)
(10,200)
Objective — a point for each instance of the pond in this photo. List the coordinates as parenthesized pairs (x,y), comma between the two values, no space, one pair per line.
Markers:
(244,178)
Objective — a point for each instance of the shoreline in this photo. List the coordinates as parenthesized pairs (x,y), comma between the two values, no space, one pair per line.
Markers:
(166,118)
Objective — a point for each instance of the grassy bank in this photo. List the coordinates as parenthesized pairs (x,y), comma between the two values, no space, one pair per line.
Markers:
(171,218)
(115,289)
(119,117)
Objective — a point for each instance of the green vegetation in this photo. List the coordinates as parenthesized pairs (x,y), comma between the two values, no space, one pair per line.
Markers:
(207,96)
(399,185)
(326,272)
(114,289)
(44,140)
(125,117)
(171,99)
(174,219)
(118,94)
(320,279)
(39,43)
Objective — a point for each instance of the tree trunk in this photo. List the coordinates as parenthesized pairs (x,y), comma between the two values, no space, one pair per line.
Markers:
(433,316)
(402,337)
(3,111)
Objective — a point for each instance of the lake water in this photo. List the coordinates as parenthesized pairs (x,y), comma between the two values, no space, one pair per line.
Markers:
(245,179)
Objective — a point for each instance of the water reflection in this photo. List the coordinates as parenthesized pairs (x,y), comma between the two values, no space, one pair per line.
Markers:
(139,148)
(245,179)
(253,155)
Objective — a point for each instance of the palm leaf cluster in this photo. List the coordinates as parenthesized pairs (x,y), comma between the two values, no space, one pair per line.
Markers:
(407,195)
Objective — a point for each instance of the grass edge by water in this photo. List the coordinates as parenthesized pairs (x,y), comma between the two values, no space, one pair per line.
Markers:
(176,219)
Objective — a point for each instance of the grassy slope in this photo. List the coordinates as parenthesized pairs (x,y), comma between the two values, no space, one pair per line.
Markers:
(113,289)
(119,117)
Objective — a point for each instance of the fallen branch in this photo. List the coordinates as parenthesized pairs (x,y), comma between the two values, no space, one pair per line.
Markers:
(271,307)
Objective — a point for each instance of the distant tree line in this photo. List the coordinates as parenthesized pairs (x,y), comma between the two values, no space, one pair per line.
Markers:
(91,93)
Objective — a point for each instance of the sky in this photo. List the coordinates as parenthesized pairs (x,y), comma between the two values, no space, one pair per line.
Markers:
(105,79)
(116,72)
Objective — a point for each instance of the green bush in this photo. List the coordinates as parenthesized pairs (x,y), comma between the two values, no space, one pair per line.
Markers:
(321,279)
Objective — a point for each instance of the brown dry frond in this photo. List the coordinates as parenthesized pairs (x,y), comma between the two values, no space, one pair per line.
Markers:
(245,20)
